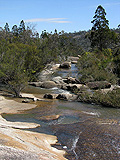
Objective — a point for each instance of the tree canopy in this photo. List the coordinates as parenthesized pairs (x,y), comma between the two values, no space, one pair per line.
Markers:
(22,52)
(100,32)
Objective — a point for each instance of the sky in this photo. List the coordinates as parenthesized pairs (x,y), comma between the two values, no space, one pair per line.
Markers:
(67,15)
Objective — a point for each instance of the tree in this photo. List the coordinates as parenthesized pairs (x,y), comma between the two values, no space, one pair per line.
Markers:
(12,69)
(100,32)
(15,30)
(21,27)
(119,26)
(7,29)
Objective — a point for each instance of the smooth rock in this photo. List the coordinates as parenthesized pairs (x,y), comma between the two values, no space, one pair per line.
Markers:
(73,87)
(36,84)
(65,65)
(71,58)
(64,87)
(50,96)
(50,117)
(48,84)
(74,62)
(26,101)
(71,80)
(68,97)
(58,80)
(55,66)
(1,98)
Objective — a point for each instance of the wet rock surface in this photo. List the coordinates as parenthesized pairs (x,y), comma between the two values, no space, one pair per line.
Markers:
(89,140)
(9,153)
(16,143)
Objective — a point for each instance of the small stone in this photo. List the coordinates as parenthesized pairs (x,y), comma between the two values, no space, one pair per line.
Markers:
(64,147)
(26,101)
(50,118)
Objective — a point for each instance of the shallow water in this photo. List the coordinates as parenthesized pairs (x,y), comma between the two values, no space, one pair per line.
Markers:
(73,72)
(85,131)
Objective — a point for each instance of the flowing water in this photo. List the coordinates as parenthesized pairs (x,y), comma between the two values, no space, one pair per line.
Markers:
(85,131)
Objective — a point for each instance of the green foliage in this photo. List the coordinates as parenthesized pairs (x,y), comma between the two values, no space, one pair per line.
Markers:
(23,54)
(97,66)
(117,61)
(100,33)
(109,99)
(21,27)
(7,29)
(11,68)
(15,30)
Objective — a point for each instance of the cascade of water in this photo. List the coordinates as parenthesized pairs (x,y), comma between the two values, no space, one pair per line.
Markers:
(75,140)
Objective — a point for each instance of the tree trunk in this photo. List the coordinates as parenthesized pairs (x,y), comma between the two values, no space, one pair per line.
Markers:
(17,94)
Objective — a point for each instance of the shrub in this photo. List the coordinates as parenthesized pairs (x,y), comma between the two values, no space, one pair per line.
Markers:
(110,99)
(97,66)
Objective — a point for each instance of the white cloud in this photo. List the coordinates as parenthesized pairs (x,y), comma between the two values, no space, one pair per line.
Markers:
(50,20)
(60,21)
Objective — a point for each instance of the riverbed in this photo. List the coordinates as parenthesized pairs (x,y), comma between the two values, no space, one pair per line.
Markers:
(84,131)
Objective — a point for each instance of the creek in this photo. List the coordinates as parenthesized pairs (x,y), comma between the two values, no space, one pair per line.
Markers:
(85,131)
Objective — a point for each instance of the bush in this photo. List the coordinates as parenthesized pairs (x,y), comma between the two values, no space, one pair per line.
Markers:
(110,99)
(97,66)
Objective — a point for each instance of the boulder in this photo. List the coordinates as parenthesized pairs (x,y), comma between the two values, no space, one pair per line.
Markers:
(68,97)
(55,66)
(26,101)
(45,75)
(52,66)
(48,84)
(71,58)
(50,118)
(1,98)
(64,87)
(74,62)
(58,80)
(71,80)
(36,84)
(50,96)
(99,85)
(74,87)
(79,56)
(65,65)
